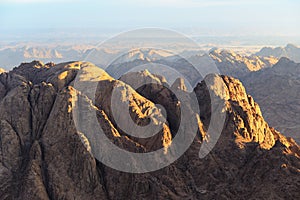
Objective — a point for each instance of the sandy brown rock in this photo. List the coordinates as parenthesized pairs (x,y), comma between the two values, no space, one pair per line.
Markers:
(16,104)
(10,159)
(45,156)
(141,110)
(158,91)
(70,169)
(277,92)
(253,149)
(179,85)
(232,64)
(34,182)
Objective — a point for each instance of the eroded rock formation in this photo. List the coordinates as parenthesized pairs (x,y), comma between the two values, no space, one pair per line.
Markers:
(45,156)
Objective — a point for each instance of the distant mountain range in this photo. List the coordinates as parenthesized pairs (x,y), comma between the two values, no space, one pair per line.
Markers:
(233,64)
(12,56)
(290,51)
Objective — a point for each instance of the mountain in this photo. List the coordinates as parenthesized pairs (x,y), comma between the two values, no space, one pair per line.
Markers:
(277,91)
(222,61)
(12,56)
(245,68)
(290,51)
(143,54)
(273,84)
(233,64)
(45,156)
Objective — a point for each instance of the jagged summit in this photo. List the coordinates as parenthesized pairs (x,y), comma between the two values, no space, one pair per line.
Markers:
(281,105)
(291,46)
(290,51)
(143,55)
(179,84)
(287,65)
(249,125)
(284,61)
(44,156)
(233,64)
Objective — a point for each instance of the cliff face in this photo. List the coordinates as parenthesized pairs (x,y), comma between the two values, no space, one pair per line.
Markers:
(44,156)
(277,91)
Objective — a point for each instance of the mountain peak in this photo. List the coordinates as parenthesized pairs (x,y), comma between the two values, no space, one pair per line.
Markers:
(291,46)
(38,123)
(34,63)
(179,84)
(238,65)
(284,61)
(290,51)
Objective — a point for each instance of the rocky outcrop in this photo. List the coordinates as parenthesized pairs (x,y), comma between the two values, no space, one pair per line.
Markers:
(277,92)
(233,64)
(179,85)
(156,89)
(45,156)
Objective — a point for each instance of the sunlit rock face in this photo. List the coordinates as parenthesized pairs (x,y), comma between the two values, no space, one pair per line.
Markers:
(45,156)
(277,92)
(233,64)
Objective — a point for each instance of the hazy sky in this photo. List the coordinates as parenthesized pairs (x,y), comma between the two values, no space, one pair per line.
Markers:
(214,17)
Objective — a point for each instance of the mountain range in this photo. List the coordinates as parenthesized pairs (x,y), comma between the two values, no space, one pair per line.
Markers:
(233,64)
(12,55)
(277,91)
(289,51)
(45,156)
(269,80)
(227,62)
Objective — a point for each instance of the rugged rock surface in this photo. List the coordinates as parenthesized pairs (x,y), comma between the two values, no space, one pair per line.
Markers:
(44,156)
(233,64)
(225,61)
(156,89)
(290,51)
(11,56)
(277,91)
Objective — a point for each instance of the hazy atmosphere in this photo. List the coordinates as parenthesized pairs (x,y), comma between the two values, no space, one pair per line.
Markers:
(35,19)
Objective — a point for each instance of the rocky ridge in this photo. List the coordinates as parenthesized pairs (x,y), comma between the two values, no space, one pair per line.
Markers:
(233,64)
(289,51)
(44,156)
(277,91)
